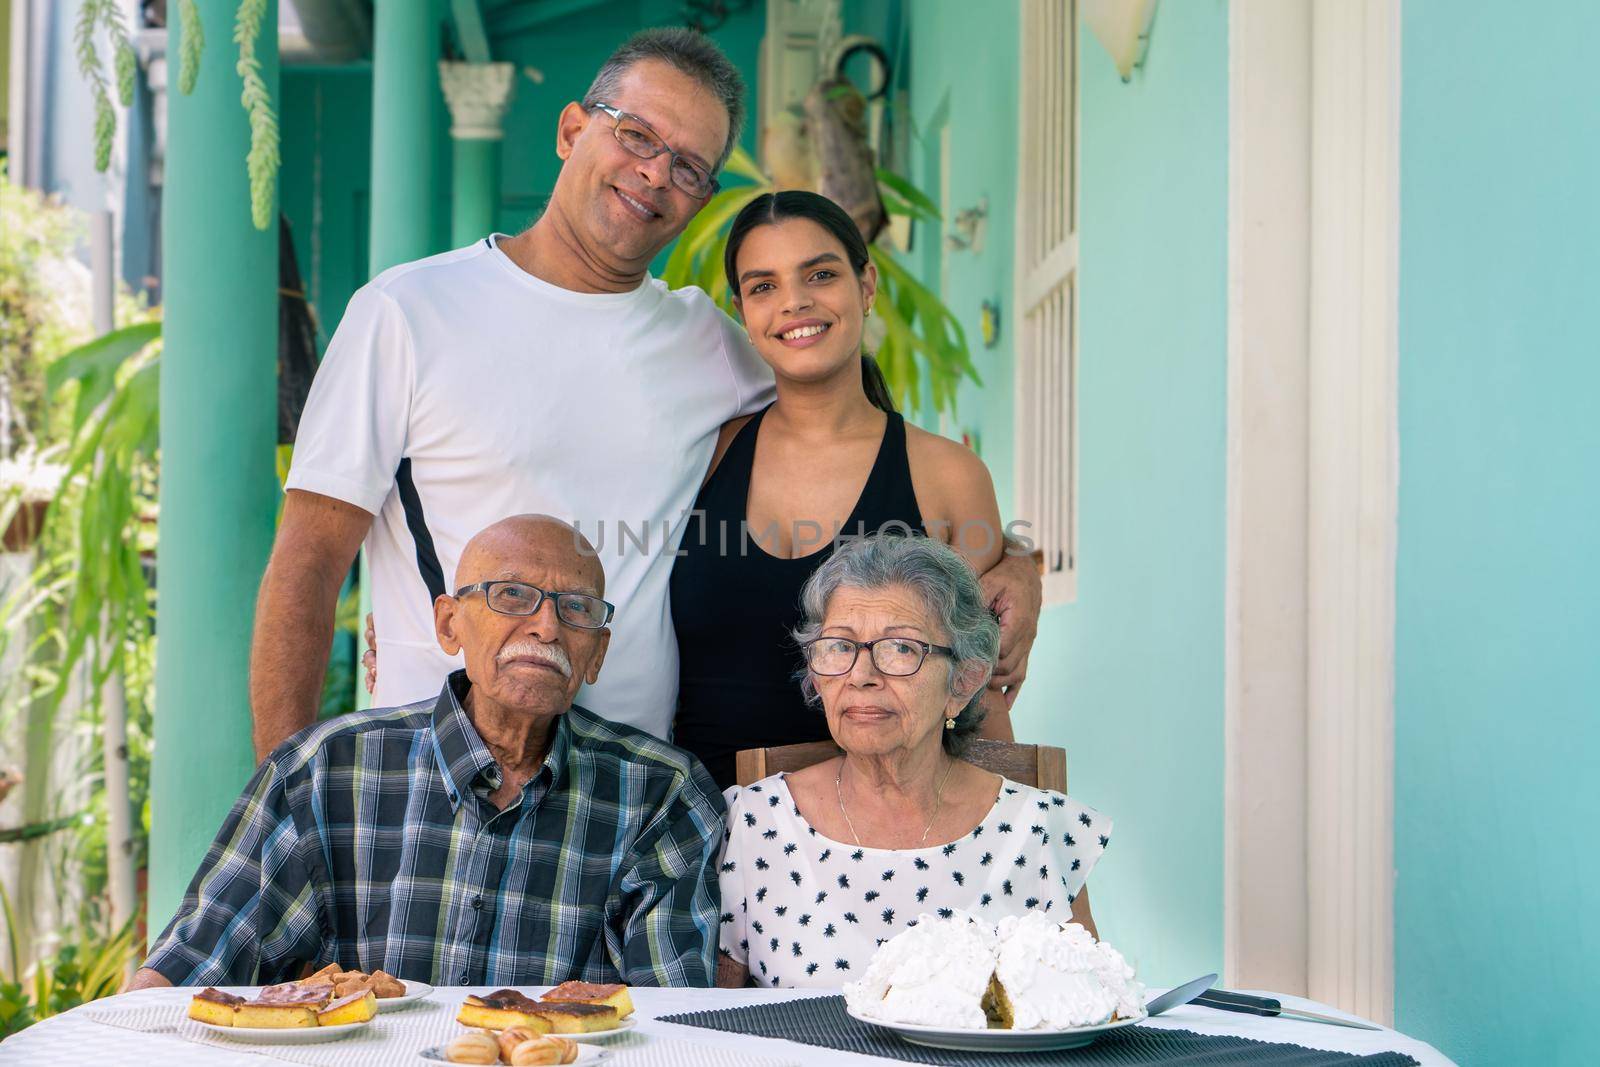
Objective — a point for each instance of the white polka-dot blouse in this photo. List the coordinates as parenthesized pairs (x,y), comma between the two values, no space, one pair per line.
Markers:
(800,909)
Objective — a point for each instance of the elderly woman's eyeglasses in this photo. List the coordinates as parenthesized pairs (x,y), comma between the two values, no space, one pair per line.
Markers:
(634,134)
(895,656)
(519,598)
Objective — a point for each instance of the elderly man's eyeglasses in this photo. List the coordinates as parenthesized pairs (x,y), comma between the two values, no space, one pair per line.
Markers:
(896,656)
(519,598)
(634,134)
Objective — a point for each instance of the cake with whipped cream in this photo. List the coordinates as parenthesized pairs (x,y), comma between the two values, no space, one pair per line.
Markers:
(1029,973)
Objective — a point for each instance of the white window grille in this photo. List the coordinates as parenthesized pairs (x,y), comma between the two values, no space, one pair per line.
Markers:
(1046,290)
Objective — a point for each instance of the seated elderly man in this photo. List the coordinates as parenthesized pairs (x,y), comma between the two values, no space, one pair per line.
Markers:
(499,835)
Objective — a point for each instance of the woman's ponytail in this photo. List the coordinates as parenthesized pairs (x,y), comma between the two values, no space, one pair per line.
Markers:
(877,387)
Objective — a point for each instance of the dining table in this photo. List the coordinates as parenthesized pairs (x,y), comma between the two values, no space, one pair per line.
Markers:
(148,1028)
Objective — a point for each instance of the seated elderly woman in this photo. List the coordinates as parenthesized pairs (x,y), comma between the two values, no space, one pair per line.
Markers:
(822,865)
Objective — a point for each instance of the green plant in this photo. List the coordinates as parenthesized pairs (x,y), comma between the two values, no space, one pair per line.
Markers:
(39,317)
(89,967)
(261,164)
(107,15)
(110,477)
(921,337)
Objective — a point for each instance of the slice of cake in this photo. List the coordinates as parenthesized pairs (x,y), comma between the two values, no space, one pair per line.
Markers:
(500,1009)
(255,1014)
(615,996)
(571,1018)
(214,1006)
(933,974)
(355,1008)
(1056,976)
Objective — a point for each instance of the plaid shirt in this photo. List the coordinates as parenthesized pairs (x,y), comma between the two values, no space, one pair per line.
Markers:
(369,841)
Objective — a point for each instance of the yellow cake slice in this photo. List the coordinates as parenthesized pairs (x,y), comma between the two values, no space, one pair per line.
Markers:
(996,1006)
(578,1018)
(355,1008)
(615,996)
(275,1016)
(500,1009)
(214,1006)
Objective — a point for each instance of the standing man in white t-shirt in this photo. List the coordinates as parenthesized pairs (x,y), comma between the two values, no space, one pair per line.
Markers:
(546,372)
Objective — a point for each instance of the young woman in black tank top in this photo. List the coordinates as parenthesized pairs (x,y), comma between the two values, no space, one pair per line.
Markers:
(829,457)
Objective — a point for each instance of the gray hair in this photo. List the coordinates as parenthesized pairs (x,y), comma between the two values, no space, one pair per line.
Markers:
(949,591)
(689,51)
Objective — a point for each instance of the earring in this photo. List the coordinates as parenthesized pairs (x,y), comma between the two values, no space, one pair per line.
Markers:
(949,724)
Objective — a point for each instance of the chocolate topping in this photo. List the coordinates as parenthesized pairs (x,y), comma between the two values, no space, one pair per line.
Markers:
(217,996)
(510,1000)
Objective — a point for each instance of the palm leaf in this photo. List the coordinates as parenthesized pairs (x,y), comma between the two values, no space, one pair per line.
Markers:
(915,199)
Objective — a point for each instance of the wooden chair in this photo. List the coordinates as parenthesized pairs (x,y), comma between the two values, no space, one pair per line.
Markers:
(1043,766)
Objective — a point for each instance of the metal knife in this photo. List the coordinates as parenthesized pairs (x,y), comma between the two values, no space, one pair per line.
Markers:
(1223,1000)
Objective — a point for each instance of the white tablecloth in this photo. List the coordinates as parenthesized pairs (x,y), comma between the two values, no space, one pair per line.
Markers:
(74,1039)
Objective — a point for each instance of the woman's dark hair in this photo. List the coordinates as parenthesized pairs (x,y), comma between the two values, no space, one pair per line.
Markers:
(770,208)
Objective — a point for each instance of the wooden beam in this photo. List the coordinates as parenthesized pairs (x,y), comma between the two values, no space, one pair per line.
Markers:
(469,27)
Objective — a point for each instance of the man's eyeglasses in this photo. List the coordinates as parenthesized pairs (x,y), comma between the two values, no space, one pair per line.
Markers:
(519,598)
(895,656)
(634,134)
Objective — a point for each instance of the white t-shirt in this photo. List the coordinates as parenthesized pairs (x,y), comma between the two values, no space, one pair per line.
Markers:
(800,909)
(460,389)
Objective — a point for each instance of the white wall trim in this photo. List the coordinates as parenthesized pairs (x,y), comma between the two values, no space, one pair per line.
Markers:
(1353,503)
(1269,270)
(1312,499)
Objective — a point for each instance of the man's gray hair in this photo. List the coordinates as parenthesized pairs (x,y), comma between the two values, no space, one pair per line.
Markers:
(691,52)
(949,591)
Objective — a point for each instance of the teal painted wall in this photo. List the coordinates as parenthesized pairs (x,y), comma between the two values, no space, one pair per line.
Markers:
(327,129)
(1497,718)
(1129,677)
(955,53)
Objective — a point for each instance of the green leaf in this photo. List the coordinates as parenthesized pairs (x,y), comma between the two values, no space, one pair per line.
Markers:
(705,235)
(913,196)
(741,163)
(94,365)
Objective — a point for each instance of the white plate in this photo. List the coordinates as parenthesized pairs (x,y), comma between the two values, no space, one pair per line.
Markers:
(601,1035)
(998,1040)
(286,1035)
(415,991)
(435,1054)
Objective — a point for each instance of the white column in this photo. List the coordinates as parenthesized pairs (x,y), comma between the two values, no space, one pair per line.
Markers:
(478,95)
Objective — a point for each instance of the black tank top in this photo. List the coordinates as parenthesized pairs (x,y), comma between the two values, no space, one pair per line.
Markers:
(734,605)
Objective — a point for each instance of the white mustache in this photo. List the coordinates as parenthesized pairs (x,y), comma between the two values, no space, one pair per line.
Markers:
(553,655)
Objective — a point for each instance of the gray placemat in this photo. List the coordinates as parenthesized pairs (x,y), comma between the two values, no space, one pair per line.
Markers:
(822,1021)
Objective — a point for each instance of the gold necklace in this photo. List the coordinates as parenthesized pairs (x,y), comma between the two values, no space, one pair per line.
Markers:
(938,802)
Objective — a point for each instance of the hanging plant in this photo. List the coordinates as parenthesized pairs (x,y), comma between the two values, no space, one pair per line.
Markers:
(95,15)
(261,163)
